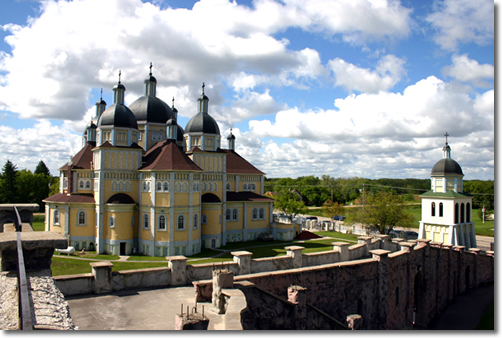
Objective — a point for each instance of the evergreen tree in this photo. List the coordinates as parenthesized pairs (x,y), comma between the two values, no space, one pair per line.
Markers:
(8,193)
(42,169)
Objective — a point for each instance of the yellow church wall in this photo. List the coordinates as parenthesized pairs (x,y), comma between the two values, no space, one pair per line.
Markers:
(56,227)
(162,235)
(213,226)
(145,234)
(122,229)
(146,198)
(181,199)
(180,235)
(162,199)
(89,228)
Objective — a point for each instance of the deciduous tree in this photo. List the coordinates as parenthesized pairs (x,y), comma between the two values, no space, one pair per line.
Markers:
(289,203)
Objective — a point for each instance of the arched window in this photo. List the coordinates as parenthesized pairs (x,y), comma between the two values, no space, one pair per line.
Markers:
(441,209)
(262,213)
(162,222)
(462,213)
(88,184)
(228,215)
(433,209)
(81,184)
(228,186)
(235,214)
(245,187)
(121,186)
(128,186)
(468,212)
(255,213)
(144,186)
(81,218)
(114,186)
(145,221)
(159,186)
(181,222)
(111,222)
(166,186)
(456,213)
(204,219)
(56,216)
(195,221)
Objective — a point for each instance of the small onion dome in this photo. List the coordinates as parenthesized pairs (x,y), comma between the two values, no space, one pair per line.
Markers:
(203,97)
(231,136)
(119,86)
(170,122)
(150,78)
(118,115)
(151,109)
(202,123)
(445,167)
(120,198)
(101,101)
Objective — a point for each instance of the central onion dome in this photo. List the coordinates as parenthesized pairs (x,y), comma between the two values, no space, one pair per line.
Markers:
(151,109)
(118,115)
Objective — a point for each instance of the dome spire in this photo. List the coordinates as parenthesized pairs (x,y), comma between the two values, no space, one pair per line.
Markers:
(100,105)
(203,101)
(150,84)
(446,147)
(231,141)
(118,92)
(175,112)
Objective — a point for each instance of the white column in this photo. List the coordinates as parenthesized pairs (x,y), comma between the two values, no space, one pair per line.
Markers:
(153,219)
(172,226)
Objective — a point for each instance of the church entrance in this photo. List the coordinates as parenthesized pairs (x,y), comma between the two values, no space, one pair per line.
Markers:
(122,248)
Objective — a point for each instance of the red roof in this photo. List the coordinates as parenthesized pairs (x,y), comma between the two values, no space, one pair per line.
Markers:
(82,159)
(167,155)
(246,197)
(75,198)
(238,165)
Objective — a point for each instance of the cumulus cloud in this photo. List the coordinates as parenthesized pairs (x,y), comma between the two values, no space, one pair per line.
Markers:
(462,21)
(468,70)
(388,72)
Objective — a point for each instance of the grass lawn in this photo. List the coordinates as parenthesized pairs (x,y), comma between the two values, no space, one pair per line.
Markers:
(90,254)
(38,226)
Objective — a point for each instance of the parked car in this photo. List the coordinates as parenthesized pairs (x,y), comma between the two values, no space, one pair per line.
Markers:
(396,234)
(410,235)
(339,218)
(311,218)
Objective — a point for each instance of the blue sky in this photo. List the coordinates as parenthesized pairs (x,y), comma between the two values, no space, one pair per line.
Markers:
(344,88)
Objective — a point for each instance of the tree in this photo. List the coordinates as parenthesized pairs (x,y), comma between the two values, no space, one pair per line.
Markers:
(42,169)
(289,203)
(8,193)
(330,208)
(384,211)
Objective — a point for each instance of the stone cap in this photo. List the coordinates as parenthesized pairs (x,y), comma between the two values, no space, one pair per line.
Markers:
(340,243)
(407,244)
(20,206)
(436,244)
(33,240)
(459,247)
(176,258)
(365,238)
(293,247)
(383,236)
(241,253)
(397,240)
(101,264)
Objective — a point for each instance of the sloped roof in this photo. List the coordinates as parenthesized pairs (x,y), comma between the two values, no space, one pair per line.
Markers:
(246,196)
(72,198)
(82,159)
(167,155)
(449,193)
(238,165)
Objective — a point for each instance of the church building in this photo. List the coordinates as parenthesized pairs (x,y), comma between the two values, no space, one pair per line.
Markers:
(143,184)
(446,209)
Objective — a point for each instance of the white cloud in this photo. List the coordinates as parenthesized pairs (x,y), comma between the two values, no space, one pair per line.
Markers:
(388,72)
(468,70)
(462,21)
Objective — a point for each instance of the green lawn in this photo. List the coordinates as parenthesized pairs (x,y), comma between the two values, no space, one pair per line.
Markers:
(38,226)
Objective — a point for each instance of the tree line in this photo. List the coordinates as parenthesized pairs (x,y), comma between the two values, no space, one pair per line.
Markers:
(24,186)
(315,191)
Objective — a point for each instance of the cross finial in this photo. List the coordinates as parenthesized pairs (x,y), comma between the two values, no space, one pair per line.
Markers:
(446,135)
(173,101)
(101,93)
(120,73)
(203,85)
(230,130)
(151,68)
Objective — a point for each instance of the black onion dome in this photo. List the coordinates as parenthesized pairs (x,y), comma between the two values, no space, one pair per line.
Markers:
(151,109)
(150,78)
(101,101)
(446,166)
(170,122)
(231,137)
(119,85)
(203,97)
(118,115)
(202,123)
(179,135)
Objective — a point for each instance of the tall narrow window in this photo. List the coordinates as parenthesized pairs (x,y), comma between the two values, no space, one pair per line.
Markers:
(81,218)
(162,222)
(195,221)
(227,215)
(468,212)
(159,186)
(262,213)
(112,222)
(166,186)
(181,222)
(255,213)
(228,186)
(441,209)
(462,213)
(235,214)
(456,213)
(145,221)
(433,209)
(56,216)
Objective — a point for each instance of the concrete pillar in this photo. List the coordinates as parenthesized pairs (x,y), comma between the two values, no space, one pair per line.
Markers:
(406,246)
(365,240)
(354,322)
(221,279)
(295,252)
(381,256)
(343,249)
(298,296)
(178,266)
(102,272)
(384,241)
(243,258)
